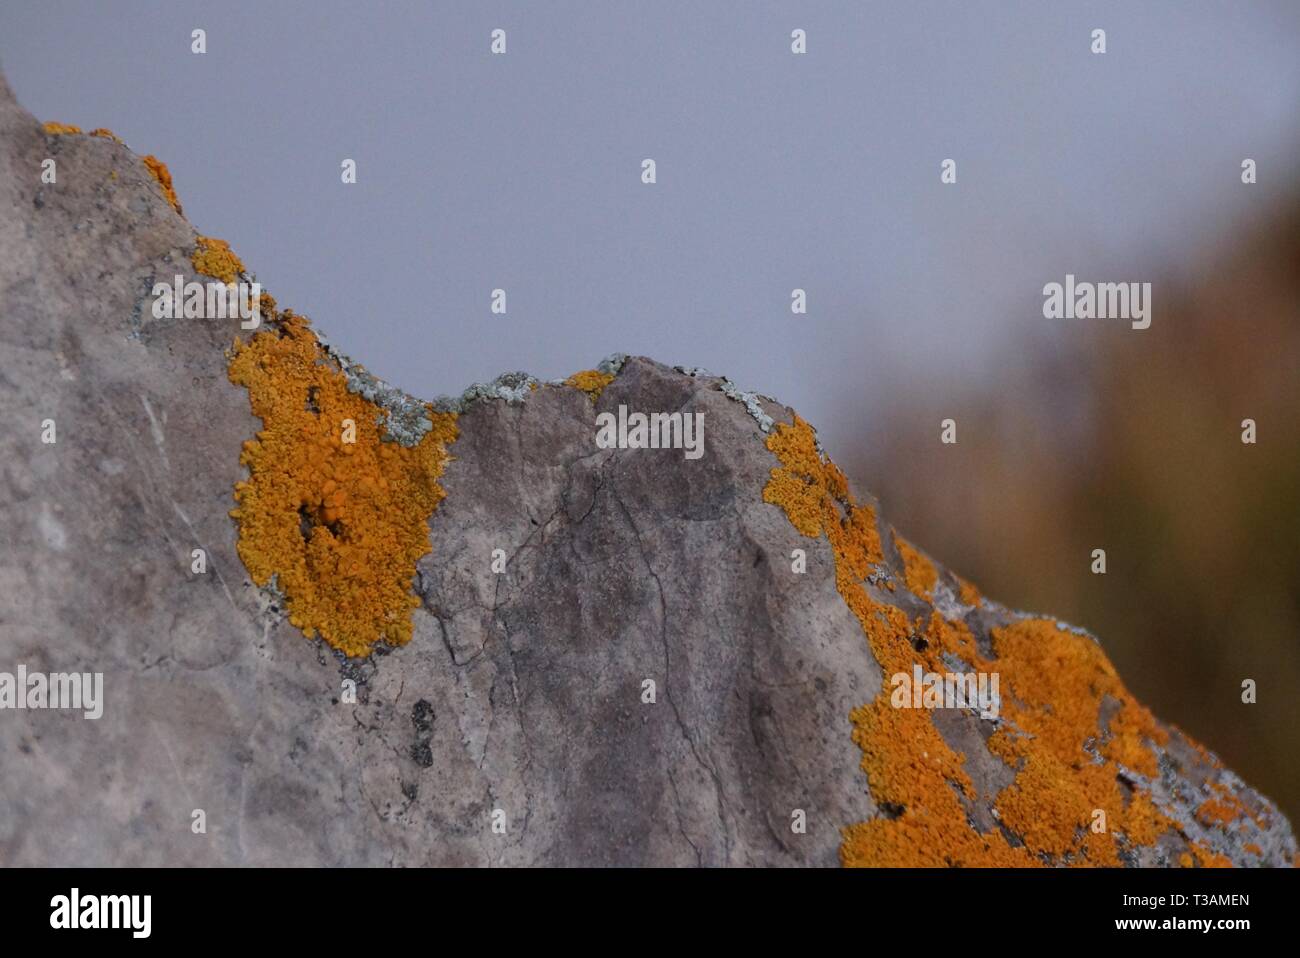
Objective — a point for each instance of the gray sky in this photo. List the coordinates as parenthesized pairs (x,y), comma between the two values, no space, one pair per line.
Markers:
(775,171)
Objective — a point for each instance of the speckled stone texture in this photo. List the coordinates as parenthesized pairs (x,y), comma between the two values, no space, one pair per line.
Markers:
(520,692)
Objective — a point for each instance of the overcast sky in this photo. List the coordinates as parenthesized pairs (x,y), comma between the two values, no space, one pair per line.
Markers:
(775,171)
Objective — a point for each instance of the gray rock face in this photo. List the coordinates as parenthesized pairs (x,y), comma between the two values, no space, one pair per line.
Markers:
(520,701)
(627,566)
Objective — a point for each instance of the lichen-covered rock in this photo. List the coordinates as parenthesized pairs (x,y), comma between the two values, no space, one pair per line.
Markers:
(601,656)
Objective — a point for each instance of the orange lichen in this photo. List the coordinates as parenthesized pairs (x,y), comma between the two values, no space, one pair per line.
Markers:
(590,381)
(156,167)
(1223,808)
(214,257)
(1213,811)
(967,592)
(1209,859)
(918,571)
(815,496)
(339,524)
(1057,683)
(1053,686)
(158,170)
(1143,823)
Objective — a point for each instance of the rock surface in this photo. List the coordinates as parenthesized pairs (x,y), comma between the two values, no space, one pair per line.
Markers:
(519,700)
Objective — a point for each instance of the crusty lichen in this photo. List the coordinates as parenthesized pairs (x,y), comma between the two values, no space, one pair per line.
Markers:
(336,526)
(918,571)
(214,257)
(158,170)
(340,525)
(590,381)
(1067,727)
(156,167)
(967,592)
(752,402)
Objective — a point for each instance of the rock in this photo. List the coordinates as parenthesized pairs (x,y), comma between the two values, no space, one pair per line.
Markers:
(517,726)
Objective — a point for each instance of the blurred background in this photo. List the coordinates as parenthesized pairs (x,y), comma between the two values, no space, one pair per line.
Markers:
(819,171)
(1131,442)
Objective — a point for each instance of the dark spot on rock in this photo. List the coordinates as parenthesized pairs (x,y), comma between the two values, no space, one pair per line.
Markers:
(422,716)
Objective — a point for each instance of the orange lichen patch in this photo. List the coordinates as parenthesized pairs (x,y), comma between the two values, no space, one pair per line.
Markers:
(911,768)
(1209,859)
(1057,683)
(156,167)
(918,571)
(967,593)
(1215,812)
(214,257)
(1223,809)
(1053,685)
(1143,823)
(158,170)
(590,381)
(909,765)
(815,496)
(339,525)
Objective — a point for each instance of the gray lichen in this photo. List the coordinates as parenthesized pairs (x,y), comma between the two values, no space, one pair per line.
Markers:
(512,387)
(947,603)
(695,372)
(752,403)
(612,364)
(1077,630)
(407,420)
(1008,614)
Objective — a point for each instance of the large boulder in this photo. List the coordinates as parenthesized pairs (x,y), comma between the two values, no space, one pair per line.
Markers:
(612,655)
